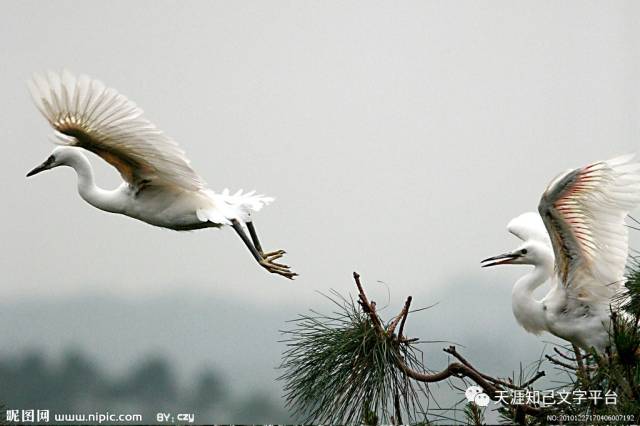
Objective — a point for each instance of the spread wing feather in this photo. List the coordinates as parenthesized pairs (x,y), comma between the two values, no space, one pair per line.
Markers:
(529,226)
(87,114)
(584,212)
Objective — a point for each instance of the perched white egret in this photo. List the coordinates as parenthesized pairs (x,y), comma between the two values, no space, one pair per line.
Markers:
(579,240)
(159,187)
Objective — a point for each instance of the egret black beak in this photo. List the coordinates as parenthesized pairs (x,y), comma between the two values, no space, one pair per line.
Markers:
(501,259)
(42,167)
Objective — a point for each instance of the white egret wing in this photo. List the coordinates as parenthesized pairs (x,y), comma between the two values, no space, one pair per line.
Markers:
(584,211)
(529,226)
(87,114)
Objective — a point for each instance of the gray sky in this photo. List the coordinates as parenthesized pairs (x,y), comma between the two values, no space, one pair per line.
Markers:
(397,137)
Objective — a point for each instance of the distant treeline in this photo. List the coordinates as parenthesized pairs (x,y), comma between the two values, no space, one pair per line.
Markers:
(76,384)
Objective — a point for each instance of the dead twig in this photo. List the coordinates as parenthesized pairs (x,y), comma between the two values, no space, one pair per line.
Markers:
(560,363)
(407,304)
(402,316)
(367,307)
(529,382)
(568,358)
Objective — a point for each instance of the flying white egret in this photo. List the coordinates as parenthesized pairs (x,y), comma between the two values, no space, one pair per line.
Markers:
(579,240)
(159,187)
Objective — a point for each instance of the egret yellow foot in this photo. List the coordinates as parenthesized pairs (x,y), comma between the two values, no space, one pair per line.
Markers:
(276,268)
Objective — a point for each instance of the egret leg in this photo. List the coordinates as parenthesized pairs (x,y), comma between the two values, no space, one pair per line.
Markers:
(256,254)
(273,255)
(266,260)
(254,236)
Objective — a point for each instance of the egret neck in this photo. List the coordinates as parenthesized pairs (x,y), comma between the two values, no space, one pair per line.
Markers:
(529,311)
(92,194)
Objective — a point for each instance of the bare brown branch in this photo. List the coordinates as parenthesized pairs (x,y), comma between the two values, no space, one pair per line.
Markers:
(401,316)
(407,304)
(560,363)
(568,358)
(367,307)
(452,350)
(529,382)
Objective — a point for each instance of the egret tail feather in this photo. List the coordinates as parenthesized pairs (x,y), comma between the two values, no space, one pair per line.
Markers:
(227,207)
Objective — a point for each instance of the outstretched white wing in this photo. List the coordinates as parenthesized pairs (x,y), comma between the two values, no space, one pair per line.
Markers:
(529,226)
(89,115)
(584,211)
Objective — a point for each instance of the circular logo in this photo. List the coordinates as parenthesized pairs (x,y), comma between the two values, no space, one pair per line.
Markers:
(474,394)
(482,400)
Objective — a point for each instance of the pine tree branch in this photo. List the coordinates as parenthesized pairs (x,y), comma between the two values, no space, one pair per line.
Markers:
(452,350)
(460,369)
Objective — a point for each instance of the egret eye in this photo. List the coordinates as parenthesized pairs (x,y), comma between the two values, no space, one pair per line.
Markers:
(524,251)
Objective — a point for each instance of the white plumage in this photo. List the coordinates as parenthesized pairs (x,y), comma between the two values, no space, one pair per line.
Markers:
(580,240)
(159,187)
(529,226)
